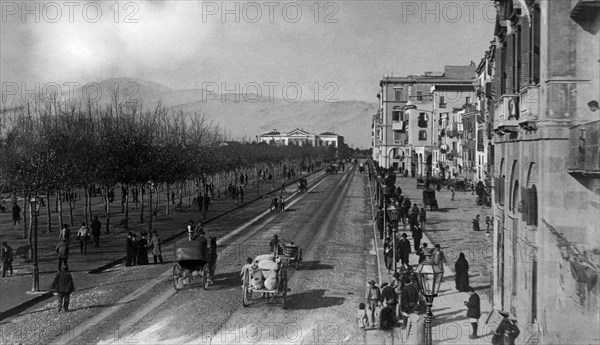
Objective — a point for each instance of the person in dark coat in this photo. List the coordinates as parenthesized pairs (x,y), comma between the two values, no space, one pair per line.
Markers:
(96,227)
(142,250)
(473,311)
(63,285)
(388,254)
(379,220)
(212,259)
(130,248)
(417,236)
(476,223)
(461,269)
(16,214)
(62,249)
(403,250)
(274,244)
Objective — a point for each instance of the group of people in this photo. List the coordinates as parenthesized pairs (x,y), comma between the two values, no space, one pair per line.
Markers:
(137,248)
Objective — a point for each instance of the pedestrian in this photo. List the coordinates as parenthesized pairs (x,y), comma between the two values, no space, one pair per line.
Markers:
(65,233)
(96,227)
(422,252)
(62,249)
(16,213)
(388,254)
(438,257)
(190,230)
(83,236)
(417,236)
(173,198)
(198,229)
(274,244)
(362,316)
(212,259)
(422,218)
(473,310)
(205,205)
(130,249)
(241,193)
(373,295)
(155,244)
(389,297)
(488,223)
(461,270)
(142,249)
(63,286)
(6,254)
(452,191)
(409,298)
(403,250)
(283,187)
(134,261)
(379,222)
(476,223)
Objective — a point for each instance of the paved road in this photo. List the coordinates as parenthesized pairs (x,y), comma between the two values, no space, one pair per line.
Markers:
(331,223)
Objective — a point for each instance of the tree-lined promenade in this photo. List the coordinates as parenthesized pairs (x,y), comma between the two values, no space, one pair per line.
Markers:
(58,149)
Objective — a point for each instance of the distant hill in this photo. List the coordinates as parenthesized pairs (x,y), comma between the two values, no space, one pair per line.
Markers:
(351,119)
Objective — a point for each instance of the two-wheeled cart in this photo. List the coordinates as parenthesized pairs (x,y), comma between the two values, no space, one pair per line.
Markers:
(290,253)
(191,262)
(271,268)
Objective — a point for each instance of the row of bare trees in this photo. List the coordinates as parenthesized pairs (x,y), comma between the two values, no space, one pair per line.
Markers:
(53,148)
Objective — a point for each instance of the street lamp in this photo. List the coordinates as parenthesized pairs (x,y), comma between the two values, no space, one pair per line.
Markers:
(429,275)
(393,215)
(35,203)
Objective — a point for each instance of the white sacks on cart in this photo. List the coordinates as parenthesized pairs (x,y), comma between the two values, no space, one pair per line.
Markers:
(265,272)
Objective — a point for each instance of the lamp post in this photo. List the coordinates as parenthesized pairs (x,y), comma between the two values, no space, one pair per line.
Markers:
(429,275)
(35,203)
(393,215)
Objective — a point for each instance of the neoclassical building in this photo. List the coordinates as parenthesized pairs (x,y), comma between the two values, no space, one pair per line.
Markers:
(300,137)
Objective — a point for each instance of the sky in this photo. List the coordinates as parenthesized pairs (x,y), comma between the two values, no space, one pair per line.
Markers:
(325,50)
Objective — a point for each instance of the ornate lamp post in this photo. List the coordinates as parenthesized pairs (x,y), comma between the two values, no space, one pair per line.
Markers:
(429,276)
(393,215)
(35,202)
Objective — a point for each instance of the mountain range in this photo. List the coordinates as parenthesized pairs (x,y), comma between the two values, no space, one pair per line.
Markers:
(246,115)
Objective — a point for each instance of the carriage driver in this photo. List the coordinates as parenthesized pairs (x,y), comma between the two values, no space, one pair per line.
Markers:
(274,244)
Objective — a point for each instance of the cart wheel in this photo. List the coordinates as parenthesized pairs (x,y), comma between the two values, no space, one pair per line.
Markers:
(246,293)
(177,277)
(298,259)
(205,277)
(284,287)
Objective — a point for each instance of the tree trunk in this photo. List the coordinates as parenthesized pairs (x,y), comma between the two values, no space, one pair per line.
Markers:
(107,211)
(25,229)
(71,207)
(150,208)
(168,201)
(180,190)
(30,228)
(89,202)
(127,210)
(142,208)
(85,206)
(48,209)
(59,194)
(189,194)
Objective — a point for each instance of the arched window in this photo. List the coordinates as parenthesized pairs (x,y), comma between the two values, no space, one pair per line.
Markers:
(532,209)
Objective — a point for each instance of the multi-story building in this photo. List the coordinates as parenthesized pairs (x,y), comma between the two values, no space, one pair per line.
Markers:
(485,147)
(406,128)
(301,137)
(546,88)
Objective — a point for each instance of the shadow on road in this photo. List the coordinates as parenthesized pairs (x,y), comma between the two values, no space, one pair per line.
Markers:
(314,265)
(312,299)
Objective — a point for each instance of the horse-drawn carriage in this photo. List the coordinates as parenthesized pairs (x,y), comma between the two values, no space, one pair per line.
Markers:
(302,185)
(333,168)
(191,261)
(267,276)
(429,199)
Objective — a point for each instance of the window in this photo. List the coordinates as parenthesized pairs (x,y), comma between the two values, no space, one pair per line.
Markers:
(395,116)
(397,95)
(422,122)
(422,135)
(397,136)
(467,100)
(532,212)
(442,102)
(419,95)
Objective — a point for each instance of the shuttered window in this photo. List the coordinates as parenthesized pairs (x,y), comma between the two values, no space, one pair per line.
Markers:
(510,64)
(523,206)
(525,51)
(535,65)
(532,209)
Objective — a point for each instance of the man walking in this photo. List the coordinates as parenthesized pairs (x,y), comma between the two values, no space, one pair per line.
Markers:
(7,259)
(473,310)
(63,285)
(417,236)
(155,243)
(403,250)
(438,257)
(65,233)
(96,226)
(16,213)
(62,248)
(83,235)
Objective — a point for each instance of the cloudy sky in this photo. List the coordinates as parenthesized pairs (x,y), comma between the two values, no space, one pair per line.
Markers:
(336,47)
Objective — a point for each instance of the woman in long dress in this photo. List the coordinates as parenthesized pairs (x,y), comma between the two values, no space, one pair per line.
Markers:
(461,268)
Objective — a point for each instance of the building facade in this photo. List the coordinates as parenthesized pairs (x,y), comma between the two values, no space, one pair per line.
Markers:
(545,85)
(300,137)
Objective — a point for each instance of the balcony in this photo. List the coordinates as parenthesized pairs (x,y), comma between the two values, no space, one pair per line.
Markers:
(421,98)
(398,126)
(507,114)
(584,157)
(529,106)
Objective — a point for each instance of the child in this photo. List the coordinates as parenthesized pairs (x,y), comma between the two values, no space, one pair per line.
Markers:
(362,316)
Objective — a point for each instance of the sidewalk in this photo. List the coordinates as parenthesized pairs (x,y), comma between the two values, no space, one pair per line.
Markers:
(450,324)
(14,291)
